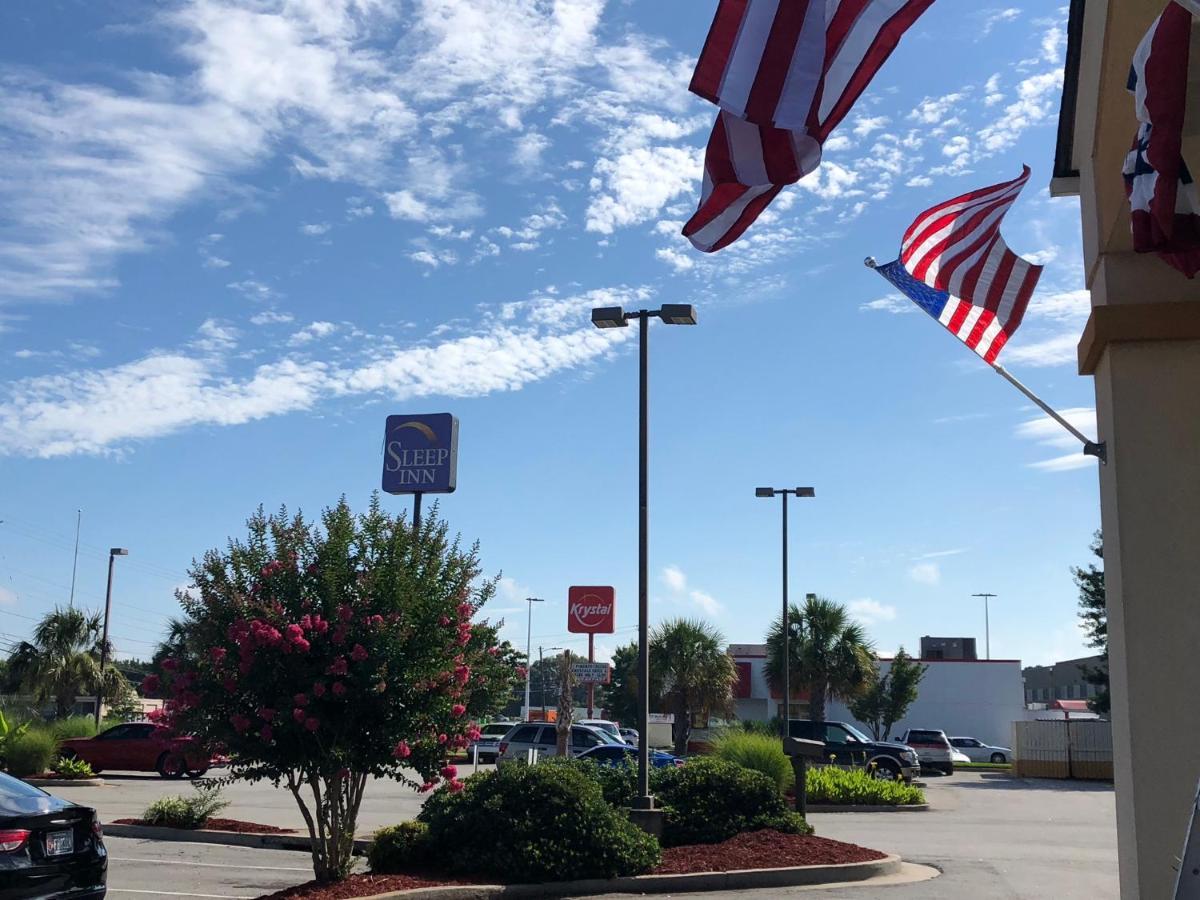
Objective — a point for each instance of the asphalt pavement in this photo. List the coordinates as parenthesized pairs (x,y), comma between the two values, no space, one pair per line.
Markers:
(992,836)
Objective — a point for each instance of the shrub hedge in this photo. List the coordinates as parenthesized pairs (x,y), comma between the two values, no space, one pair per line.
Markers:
(757,751)
(399,848)
(533,824)
(185,812)
(828,784)
(31,753)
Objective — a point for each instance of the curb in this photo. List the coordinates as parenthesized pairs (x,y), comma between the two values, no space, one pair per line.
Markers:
(228,838)
(852,808)
(64,782)
(744,879)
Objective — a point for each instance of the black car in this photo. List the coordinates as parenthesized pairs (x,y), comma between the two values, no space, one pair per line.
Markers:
(846,746)
(49,847)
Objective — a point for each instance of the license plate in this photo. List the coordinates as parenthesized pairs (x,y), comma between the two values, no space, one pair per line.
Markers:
(60,843)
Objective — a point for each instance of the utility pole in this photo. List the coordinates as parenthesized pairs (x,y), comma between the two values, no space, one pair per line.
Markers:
(529,650)
(75,564)
(112,555)
(987,632)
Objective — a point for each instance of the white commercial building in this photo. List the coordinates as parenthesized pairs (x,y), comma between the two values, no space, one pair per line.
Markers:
(975,698)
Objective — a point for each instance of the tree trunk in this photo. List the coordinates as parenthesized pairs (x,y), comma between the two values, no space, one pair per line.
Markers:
(682,731)
(816,702)
(332,820)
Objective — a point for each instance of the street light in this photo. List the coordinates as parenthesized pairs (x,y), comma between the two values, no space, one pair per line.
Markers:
(542,678)
(785,626)
(987,628)
(529,650)
(112,555)
(616,317)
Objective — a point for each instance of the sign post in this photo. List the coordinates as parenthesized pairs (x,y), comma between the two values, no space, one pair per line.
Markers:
(420,456)
(591,611)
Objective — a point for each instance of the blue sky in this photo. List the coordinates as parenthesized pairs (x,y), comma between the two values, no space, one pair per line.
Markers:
(234,237)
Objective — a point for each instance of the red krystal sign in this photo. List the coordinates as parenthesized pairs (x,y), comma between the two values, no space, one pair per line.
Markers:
(591,610)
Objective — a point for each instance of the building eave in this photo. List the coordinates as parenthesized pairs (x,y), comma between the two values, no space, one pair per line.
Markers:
(1065,181)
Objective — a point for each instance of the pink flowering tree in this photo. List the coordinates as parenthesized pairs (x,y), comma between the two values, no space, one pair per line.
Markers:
(323,656)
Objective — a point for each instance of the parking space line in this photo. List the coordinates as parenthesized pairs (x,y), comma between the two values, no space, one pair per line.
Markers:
(185,862)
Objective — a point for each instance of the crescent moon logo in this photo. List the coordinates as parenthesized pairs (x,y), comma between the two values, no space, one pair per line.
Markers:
(421,427)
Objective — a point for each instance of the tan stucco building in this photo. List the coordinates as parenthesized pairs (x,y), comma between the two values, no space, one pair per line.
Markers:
(1142,345)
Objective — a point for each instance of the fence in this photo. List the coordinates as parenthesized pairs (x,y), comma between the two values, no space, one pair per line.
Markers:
(1063,749)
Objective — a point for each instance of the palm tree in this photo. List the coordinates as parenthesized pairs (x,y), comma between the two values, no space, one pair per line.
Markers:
(688,658)
(63,660)
(830,654)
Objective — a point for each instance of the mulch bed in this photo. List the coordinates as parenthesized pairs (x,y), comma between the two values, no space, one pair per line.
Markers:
(762,850)
(216,824)
(358,886)
(753,850)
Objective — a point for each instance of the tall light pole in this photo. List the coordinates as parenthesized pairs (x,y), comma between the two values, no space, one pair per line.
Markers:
(987,628)
(616,317)
(529,650)
(112,555)
(785,625)
(542,678)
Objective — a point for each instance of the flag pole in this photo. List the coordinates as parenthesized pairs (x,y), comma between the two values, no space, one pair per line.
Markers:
(1097,449)
(1090,447)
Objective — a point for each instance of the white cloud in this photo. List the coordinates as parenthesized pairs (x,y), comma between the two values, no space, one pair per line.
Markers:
(312,332)
(706,602)
(938,554)
(996,17)
(315,229)
(837,143)
(252,290)
(529,149)
(926,573)
(679,260)
(892,303)
(870,612)
(1049,433)
(919,181)
(7,597)
(1062,349)
(864,125)
(1037,102)
(831,181)
(674,578)
(635,186)
(108,410)
(935,110)
(270,317)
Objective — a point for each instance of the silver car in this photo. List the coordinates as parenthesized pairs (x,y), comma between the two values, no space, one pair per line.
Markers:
(488,745)
(543,737)
(977,751)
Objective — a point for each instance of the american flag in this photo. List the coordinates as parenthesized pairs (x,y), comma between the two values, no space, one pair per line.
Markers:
(1164,206)
(784,73)
(955,265)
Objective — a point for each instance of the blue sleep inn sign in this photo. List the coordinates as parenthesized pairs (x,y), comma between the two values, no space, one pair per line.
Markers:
(420,454)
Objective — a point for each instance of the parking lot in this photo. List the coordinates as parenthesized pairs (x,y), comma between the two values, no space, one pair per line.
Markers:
(992,836)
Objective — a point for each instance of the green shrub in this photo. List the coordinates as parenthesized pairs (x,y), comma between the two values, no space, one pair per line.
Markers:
(532,824)
(755,726)
(760,752)
(72,727)
(399,848)
(30,753)
(618,784)
(711,800)
(828,784)
(72,768)
(185,812)
(10,731)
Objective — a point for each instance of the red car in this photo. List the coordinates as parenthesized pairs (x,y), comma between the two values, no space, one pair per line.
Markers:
(142,747)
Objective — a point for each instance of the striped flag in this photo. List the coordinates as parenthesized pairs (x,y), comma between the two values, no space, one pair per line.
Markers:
(1164,206)
(955,265)
(784,73)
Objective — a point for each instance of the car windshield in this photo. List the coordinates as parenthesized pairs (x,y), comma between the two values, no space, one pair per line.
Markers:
(858,734)
(606,727)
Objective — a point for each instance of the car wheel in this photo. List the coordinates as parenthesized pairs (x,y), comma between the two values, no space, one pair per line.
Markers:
(999,758)
(171,766)
(948,769)
(197,773)
(884,770)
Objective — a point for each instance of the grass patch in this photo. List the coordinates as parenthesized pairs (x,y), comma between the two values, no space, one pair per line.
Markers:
(854,787)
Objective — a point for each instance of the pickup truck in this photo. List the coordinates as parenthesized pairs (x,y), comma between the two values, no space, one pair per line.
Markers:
(846,746)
